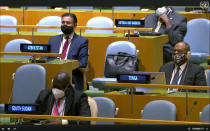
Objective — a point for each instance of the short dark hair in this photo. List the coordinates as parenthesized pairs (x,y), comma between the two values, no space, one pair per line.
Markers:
(73,16)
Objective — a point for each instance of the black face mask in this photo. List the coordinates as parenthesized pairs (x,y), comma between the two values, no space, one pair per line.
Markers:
(67,29)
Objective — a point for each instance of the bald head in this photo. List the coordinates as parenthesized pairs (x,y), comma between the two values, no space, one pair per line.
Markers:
(61,80)
(181,47)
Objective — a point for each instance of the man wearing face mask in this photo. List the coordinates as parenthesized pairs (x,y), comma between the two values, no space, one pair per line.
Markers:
(166,21)
(71,46)
(182,71)
(63,100)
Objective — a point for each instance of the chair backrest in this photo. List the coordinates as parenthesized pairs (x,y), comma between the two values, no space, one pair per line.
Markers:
(121,46)
(106,108)
(80,7)
(207,73)
(8,20)
(100,22)
(178,8)
(14,46)
(205,114)
(29,80)
(93,109)
(35,7)
(159,110)
(126,7)
(50,21)
(197,35)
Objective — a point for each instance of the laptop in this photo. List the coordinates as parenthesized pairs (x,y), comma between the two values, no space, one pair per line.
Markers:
(155,78)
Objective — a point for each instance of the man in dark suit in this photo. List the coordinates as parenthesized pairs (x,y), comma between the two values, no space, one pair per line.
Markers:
(71,46)
(187,73)
(63,100)
(167,21)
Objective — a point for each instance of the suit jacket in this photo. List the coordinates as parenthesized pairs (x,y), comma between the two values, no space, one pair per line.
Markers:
(77,51)
(178,29)
(76,103)
(192,75)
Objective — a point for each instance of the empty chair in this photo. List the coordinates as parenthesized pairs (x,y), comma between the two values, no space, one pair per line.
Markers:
(205,114)
(159,110)
(50,21)
(198,38)
(14,46)
(114,48)
(2,108)
(106,108)
(29,80)
(8,20)
(126,7)
(178,8)
(80,7)
(35,7)
(100,22)
(207,72)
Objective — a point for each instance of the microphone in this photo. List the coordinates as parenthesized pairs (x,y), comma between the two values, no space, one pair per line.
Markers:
(188,113)
(113,13)
(133,16)
(13,77)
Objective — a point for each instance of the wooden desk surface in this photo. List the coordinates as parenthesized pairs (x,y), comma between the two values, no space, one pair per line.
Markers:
(130,105)
(128,109)
(105,119)
(150,48)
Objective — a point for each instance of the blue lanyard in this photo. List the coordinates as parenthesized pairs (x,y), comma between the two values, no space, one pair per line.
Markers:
(179,76)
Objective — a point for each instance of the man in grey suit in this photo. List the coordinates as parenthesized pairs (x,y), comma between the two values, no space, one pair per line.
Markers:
(166,21)
(187,73)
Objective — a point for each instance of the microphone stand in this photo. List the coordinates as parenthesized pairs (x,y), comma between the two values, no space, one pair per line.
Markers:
(113,13)
(186,94)
(188,113)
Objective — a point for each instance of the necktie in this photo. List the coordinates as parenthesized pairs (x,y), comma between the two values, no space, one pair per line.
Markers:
(56,108)
(65,48)
(176,77)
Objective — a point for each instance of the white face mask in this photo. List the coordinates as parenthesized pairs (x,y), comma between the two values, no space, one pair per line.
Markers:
(160,11)
(58,93)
